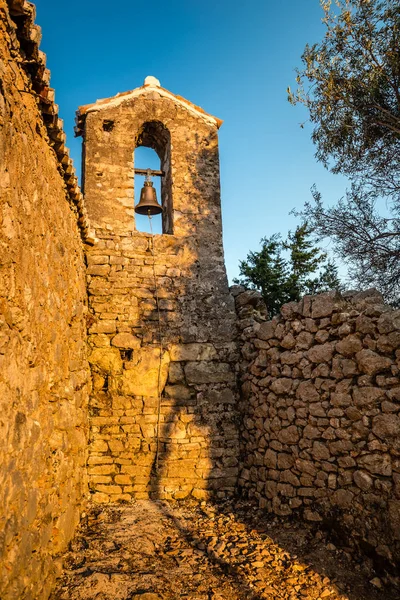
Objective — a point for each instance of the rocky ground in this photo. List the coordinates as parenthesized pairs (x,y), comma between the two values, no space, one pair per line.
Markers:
(157,550)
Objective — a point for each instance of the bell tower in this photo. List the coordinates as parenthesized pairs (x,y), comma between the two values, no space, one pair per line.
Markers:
(162,337)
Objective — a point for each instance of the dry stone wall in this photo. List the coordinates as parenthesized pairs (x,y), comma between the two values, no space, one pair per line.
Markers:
(43,368)
(195,427)
(321,409)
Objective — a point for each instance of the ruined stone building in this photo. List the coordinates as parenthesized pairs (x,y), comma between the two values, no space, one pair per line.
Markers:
(128,368)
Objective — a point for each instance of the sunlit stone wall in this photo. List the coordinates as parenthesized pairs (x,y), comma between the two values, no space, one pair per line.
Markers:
(44,374)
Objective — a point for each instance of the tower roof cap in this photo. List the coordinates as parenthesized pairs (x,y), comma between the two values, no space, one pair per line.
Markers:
(150,80)
(150,84)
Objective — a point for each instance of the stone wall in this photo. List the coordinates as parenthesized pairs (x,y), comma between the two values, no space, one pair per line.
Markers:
(321,404)
(43,368)
(196,423)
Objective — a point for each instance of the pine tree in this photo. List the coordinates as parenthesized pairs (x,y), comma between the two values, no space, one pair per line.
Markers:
(306,270)
(305,260)
(267,272)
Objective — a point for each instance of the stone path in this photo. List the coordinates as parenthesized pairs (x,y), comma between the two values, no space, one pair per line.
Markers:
(155,550)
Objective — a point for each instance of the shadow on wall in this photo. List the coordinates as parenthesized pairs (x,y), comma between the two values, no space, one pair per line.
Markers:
(204,398)
(198,419)
(204,395)
(198,422)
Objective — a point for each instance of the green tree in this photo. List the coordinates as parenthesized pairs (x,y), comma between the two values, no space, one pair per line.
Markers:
(306,270)
(305,260)
(268,272)
(350,84)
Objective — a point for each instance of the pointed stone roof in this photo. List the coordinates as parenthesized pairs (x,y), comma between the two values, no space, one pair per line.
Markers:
(151,84)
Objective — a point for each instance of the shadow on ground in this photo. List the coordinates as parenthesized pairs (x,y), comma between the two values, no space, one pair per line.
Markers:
(158,550)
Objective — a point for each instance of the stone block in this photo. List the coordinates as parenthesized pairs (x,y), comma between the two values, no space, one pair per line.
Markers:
(270,459)
(281,386)
(321,353)
(147,373)
(389,321)
(97,259)
(343,498)
(307,392)
(390,407)
(100,498)
(378,464)
(341,399)
(176,374)
(367,396)
(371,363)
(178,392)
(109,489)
(388,343)
(312,516)
(245,297)
(325,304)
(126,341)
(200,494)
(289,477)
(98,446)
(103,470)
(116,445)
(209,372)
(304,340)
(288,341)
(101,340)
(266,331)
(285,461)
(192,352)
(386,427)
(106,359)
(363,480)
(98,270)
(289,435)
(290,310)
(103,326)
(349,345)
(320,451)
(123,479)
(311,432)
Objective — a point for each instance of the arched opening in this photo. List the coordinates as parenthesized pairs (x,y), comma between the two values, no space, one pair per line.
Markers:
(146,158)
(153,151)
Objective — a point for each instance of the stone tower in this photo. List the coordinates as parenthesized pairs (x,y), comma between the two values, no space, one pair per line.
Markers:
(163,406)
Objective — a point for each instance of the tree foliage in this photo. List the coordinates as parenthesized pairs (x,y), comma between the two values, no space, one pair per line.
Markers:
(368,241)
(350,83)
(306,270)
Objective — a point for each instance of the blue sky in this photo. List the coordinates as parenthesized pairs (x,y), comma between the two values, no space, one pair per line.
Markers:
(235,59)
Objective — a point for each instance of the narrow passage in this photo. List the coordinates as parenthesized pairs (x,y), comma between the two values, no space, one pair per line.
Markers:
(232,551)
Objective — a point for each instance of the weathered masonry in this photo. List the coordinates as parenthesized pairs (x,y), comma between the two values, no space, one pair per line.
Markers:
(44,374)
(321,415)
(182,347)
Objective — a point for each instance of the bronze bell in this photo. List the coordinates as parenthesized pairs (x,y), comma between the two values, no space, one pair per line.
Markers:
(148,204)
